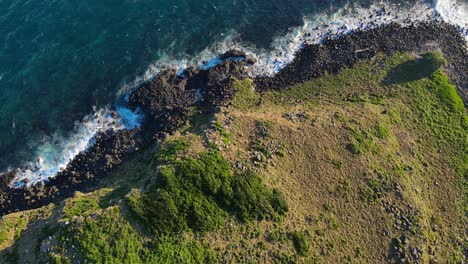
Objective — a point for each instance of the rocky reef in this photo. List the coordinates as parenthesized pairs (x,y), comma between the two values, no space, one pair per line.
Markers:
(165,100)
(168,98)
(337,53)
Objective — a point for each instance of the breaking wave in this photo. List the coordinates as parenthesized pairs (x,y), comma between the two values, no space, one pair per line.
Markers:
(55,154)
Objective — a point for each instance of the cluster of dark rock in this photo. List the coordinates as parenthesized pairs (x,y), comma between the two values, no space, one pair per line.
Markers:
(337,53)
(167,99)
(402,251)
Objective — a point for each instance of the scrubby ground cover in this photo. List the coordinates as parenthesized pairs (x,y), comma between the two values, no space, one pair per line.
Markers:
(367,166)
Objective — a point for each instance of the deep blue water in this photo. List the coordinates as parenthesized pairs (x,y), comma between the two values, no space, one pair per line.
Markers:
(59,58)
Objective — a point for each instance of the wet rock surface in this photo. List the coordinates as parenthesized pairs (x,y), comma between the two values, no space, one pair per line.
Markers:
(108,151)
(167,99)
(337,53)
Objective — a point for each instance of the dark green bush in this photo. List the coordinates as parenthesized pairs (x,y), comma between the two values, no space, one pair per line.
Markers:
(252,201)
(198,194)
(278,202)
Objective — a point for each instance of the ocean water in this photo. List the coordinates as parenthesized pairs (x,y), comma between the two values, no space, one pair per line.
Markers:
(65,65)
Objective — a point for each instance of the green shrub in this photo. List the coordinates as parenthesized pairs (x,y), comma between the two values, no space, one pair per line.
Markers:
(300,243)
(109,238)
(252,201)
(279,202)
(167,249)
(198,193)
(105,238)
(79,206)
(171,149)
(412,70)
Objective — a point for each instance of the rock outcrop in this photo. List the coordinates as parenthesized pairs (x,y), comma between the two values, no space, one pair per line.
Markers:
(337,53)
(167,99)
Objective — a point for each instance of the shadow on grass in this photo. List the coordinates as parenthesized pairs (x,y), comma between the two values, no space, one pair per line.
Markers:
(417,69)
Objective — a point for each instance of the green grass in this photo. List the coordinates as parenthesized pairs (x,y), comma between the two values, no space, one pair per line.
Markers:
(14,225)
(381,131)
(301,244)
(171,149)
(108,238)
(80,206)
(361,142)
(446,92)
(5,229)
(245,97)
(114,196)
(404,130)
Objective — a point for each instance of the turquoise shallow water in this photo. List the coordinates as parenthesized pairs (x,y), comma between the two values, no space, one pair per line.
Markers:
(61,58)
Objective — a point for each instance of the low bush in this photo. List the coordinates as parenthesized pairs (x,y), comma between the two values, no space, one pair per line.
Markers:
(300,243)
(169,152)
(80,206)
(198,193)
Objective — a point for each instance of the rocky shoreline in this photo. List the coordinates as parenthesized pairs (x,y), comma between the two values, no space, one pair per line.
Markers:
(337,53)
(167,99)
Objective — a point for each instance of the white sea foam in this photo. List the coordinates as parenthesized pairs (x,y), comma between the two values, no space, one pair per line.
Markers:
(56,153)
(314,30)
(454,12)
(53,157)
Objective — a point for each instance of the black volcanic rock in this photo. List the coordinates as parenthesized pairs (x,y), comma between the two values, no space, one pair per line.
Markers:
(164,93)
(109,150)
(6,178)
(169,91)
(338,53)
(167,98)
(234,53)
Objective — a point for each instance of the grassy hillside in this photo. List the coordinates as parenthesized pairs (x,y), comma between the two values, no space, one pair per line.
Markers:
(368,166)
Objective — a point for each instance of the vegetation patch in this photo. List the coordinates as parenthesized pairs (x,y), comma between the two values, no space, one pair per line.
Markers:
(171,149)
(372,192)
(301,244)
(413,70)
(80,206)
(245,97)
(11,227)
(225,135)
(361,142)
(108,238)
(198,193)
(381,131)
